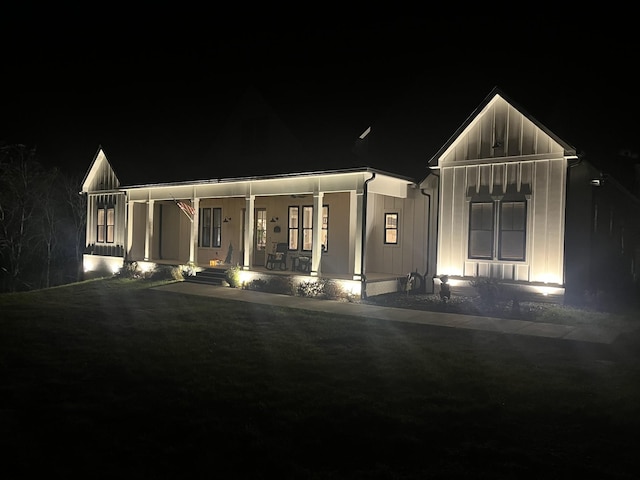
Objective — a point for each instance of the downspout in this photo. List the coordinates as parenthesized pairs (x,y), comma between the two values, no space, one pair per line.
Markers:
(363,277)
(428,195)
(426,271)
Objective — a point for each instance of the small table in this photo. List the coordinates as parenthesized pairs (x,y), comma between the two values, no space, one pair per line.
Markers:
(301,263)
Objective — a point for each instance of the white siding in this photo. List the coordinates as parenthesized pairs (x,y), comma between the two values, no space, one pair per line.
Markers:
(410,253)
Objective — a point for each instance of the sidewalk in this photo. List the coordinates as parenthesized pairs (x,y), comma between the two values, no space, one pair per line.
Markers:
(594,334)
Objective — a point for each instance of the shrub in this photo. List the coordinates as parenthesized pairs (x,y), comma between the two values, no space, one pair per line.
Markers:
(164,272)
(232,275)
(130,270)
(280,284)
(334,291)
(257,284)
(311,288)
(490,291)
(188,270)
(158,272)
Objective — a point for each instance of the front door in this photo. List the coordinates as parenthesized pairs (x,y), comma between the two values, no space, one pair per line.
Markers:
(260,239)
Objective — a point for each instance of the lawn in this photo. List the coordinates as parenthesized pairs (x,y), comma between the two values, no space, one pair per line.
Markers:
(114,379)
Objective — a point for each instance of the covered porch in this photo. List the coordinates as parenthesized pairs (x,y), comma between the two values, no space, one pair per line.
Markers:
(375,283)
(333,225)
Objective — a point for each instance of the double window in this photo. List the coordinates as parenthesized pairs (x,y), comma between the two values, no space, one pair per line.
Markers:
(210,231)
(503,222)
(106,224)
(301,232)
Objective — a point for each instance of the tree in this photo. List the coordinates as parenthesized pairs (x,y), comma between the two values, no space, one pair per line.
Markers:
(20,175)
(50,218)
(76,207)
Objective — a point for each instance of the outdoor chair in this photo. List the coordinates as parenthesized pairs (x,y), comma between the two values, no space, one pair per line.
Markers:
(279,257)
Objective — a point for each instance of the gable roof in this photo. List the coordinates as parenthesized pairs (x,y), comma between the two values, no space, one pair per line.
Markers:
(100,175)
(568,149)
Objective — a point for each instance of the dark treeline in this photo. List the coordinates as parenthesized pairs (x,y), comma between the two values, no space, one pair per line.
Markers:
(42,222)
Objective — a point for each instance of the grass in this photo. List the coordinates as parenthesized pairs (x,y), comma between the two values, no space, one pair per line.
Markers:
(114,379)
(531,311)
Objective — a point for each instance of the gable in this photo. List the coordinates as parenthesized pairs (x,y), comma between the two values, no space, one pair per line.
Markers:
(100,176)
(497,131)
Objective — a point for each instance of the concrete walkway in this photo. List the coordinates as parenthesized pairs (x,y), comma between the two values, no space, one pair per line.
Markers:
(592,334)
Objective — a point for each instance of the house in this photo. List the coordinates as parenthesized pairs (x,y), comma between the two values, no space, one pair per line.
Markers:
(503,199)
(517,204)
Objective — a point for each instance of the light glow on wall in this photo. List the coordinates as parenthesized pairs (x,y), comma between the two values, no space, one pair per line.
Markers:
(99,263)
(450,271)
(549,278)
(545,290)
(453,282)
(247,276)
(146,267)
(351,287)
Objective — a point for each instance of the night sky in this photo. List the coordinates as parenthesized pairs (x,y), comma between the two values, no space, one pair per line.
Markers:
(154,88)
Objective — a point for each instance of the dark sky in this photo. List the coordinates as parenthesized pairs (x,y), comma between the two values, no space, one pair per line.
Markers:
(154,87)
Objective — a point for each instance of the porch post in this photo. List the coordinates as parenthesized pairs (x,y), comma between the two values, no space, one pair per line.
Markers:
(357,234)
(129,230)
(90,231)
(250,201)
(193,232)
(316,252)
(148,237)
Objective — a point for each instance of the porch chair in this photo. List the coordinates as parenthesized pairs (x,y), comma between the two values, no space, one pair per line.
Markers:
(278,257)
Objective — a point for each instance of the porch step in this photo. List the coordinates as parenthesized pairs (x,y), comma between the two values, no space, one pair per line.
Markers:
(211,276)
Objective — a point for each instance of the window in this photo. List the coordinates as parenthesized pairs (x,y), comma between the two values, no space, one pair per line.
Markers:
(106,224)
(325,229)
(391,228)
(307,228)
(304,234)
(210,227)
(261,229)
(512,230)
(294,229)
(481,230)
(510,226)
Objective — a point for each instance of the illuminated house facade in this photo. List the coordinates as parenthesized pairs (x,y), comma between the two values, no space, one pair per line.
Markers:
(517,204)
(341,222)
(505,199)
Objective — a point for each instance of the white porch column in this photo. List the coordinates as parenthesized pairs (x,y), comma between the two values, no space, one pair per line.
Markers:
(129,230)
(90,230)
(316,253)
(247,260)
(357,234)
(193,232)
(148,235)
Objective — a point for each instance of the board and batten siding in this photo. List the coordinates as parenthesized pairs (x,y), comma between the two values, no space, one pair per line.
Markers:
(410,253)
(502,154)
(544,190)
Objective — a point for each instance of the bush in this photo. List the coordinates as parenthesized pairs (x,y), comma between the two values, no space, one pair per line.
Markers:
(257,284)
(490,292)
(188,270)
(130,270)
(311,288)
(334,291)
(158,272)
(164,272)
(280,284)
(232,275)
